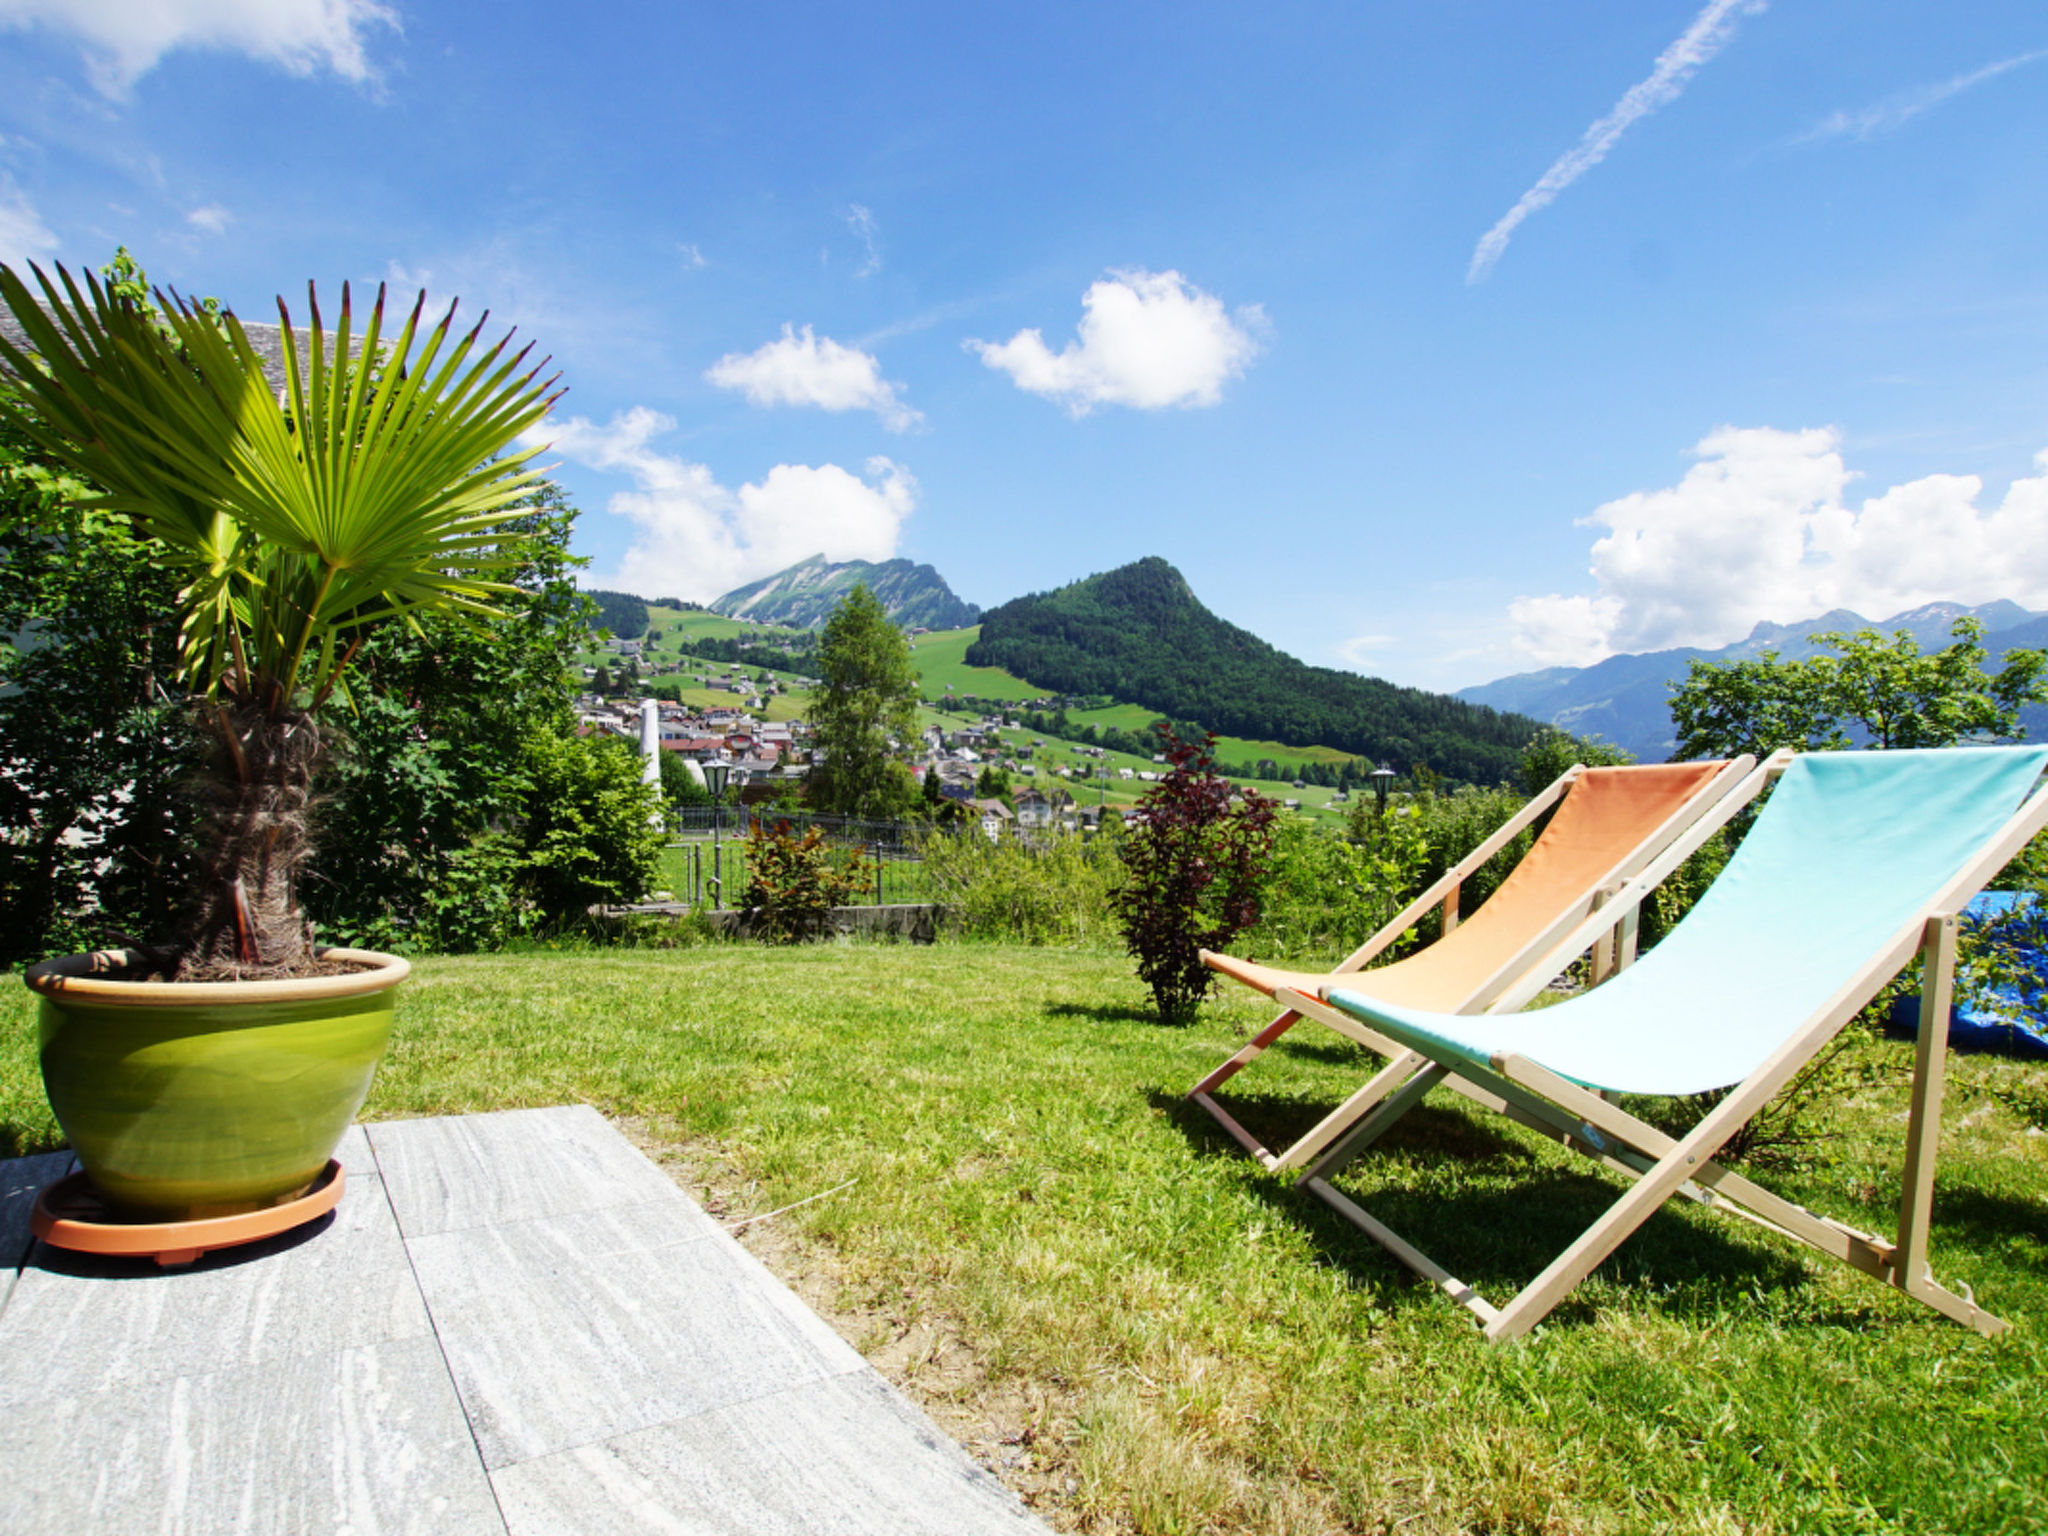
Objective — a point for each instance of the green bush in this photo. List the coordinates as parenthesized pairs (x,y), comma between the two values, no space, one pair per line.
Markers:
(592,832)
(1326,893)
(1057,893)
(793,883)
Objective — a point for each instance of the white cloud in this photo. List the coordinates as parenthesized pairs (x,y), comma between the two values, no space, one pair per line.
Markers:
(23,234)
(1147,339)
(125,38)
(811,370)
(695,539)
(1358,651)
(1896,111)
(213,218)
(1759,529)
(693,258)
(862,223)
(1708,35)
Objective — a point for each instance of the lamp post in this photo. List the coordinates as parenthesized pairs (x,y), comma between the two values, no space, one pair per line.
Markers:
(715,774)
(1382,780)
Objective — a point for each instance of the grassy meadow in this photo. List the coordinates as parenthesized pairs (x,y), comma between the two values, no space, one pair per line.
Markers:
(1023,1222)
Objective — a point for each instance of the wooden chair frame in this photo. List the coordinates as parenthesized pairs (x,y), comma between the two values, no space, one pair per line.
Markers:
(1612,942)
(1662,1166)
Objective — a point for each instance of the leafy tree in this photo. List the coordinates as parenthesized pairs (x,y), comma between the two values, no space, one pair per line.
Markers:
(374,491)
(1195,857)
(436,753)
(601,684)
(1550,751)
(92,844)
(1883,689)
(591,835)
(928,789)
(993,783)
(867,693)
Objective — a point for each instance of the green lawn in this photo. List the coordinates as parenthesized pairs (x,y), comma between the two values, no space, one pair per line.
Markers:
(1145,1332)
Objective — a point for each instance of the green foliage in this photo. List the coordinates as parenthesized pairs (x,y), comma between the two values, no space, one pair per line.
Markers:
(93,829)
(993,783)
(1550,751)
(793,882)
(1052,892)
(1883,691)
(867,694)
(1195,857)
(1327,893)
(434,755)
(1139,633)
(621,614)
(601,682)
(592,833)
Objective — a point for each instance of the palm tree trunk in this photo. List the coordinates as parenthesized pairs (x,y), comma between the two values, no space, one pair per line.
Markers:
(255,832)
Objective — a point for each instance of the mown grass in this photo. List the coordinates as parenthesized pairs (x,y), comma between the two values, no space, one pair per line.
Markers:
(1200,1348)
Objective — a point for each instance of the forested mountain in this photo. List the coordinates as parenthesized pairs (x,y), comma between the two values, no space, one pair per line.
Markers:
(1627,699)
(623,613)
(803,597)
(1139,634)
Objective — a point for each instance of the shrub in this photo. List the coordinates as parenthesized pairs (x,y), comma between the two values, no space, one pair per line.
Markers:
(1327,893)
(1057,893)
(793,883)
(1194,859)
(592,833)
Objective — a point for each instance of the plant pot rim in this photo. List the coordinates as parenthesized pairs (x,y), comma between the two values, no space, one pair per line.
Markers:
(82,979)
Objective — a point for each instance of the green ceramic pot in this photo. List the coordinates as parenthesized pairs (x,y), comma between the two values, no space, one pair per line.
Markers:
(189,1100)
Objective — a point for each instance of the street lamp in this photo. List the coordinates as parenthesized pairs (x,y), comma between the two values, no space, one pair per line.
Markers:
(1382,780)
(716,772)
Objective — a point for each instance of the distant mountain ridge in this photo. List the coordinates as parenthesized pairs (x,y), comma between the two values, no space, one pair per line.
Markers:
(1627,699)
(803,596)
(1139,634)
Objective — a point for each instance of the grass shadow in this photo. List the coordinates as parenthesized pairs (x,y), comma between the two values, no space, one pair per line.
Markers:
(1103,1013)
(1973,1220)
(1280,1120)
(1498,1236)
(17,1140)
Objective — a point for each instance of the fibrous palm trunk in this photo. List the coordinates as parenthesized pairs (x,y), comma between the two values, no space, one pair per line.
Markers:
(255,835)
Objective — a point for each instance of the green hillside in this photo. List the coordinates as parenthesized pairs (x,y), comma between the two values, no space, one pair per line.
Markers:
(941,660)
(1138,634)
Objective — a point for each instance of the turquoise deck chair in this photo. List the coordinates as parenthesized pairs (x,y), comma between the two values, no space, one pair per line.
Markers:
(1857,860)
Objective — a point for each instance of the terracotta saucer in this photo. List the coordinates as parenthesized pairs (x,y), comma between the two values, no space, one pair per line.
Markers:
(72,1214)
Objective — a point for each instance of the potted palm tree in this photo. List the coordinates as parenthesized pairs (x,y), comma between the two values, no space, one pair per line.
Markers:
(212,1073)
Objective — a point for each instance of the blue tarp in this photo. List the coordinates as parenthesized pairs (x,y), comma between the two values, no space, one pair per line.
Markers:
(1999,1021)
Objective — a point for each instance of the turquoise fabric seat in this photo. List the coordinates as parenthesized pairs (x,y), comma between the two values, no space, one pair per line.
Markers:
(1850,847)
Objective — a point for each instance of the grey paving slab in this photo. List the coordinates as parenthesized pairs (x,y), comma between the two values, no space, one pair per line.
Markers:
(21,1178)
(570,1329)
(367,1441)
(473,1170)
(77,1324)
(849,1455)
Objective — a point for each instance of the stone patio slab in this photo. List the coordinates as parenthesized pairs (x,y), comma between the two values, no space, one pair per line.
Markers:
(513,1324)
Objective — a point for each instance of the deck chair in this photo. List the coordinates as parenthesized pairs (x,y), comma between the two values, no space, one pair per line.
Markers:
(1611,823)
(1858,860)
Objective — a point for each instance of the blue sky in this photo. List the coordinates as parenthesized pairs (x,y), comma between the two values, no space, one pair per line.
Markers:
(1439,340)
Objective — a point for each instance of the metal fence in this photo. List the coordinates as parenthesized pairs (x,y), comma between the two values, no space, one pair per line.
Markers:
(707,857)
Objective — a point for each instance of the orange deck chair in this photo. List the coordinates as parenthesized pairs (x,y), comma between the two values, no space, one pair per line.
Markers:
(1610,824)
